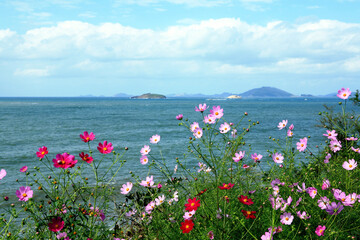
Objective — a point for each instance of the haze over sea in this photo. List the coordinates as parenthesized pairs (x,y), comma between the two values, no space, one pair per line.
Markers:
(29,123)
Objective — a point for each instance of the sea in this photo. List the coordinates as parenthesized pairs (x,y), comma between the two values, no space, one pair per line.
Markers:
(30,123)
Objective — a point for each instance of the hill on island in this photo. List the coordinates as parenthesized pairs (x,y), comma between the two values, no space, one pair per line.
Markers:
(265,92)
(149,96)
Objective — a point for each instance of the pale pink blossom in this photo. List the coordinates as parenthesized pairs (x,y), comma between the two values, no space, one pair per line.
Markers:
(357,150)
(159,200)
(189,215)
(234,133)
(126,188)
(351,139)
(198,132)
(323,202)
(245,166)
(2,173)
(155,139)
(282,124)
(325,185)
(149,182)
(335,145)
(330,134)
(145,150)
(301,146)
(286,218)
(202,108)
(217,112)
(144,159)
(290,133)
(350,199)
(349,165)
(344,93)
(327,157)
(209,119)
(312,192)
(303,215)
(224,128)
(278,158)
(193,126)
(150,207)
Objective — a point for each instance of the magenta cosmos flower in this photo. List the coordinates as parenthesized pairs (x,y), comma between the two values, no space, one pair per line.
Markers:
(202,108)
(224,128)
(344,93)
(105,147)
(282,124)
(24,169)
(64,161)
(86,137)
(349,165)
(155,139)
(286,218)
(301,146)
(86,157)
(56,224)
(256,157)
(320,230)
(312,192)
(145,150)
(325,185)
(42,152)
(126,188)
(278,158)
(179,117)
(24,193)
(239,156)
(2,173)
(217,112)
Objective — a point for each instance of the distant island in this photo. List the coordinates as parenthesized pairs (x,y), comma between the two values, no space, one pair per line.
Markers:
(149,96)
(266,92)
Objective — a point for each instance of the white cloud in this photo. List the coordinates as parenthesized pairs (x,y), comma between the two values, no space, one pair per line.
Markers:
(31,72)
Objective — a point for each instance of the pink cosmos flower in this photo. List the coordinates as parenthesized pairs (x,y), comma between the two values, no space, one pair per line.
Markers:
(24,193)
(301,146)
(56,224)
(198,132)
(145,150)
(202,108)
(338,194)
(335,145)
(42,152)
(149,182)
(64,161)
(86,157)
(209,119)
(24,169)
(312,192)
(224,128)
(189,215)
(328,156)
(351,139)
(211,235)
(256,157)
(282,124)
(98,213)
(334,209)
(160,200)
(278,158)
(286,218)
(179,117)
(291,127)
(303,215)
(105,147)
(357,150)
(303,189)
(266,236)
(86,137)
(126,188)
(344,93)
(144,159)
(349,165)
(350,199)
(239,156)
(62,235)
(150,207)
(290,133)
(159,186)
(245,166)
(193,126)
(320,230)
(323,202)
(2,173)
(325,185)
(331,134)
(217,112)
(155,139)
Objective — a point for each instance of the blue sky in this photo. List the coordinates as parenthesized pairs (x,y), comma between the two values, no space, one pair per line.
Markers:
(81,47)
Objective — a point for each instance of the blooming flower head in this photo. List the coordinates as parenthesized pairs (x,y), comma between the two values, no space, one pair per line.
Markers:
(42,152)
(349,165)
(312,192)
(278,158)
(350,199)
(105,147)
(64,160)
(327,157)
(286,218)
(239,156)
(357,150)
(209,119)
(301,146)
(334,209)
(303,189)
(323,202)
(303,215)
(248,214)
(24,169)
(97,213)
(2,173)
(351,139)
(224,128)
(144,159)
(245,166)
(62,235)
(256,157)
(266,236)
(24,193)
(151,205)
(211,235)
(291,127)
(192,204)
(344,93)
(245,200)
(202,108)
(193,126)
(290,133)
(226,186)
(179,117)
(86,157)
(335,145)
(86,137)
(159,200)
(149,182)
(187,226)
(189,215)
(145,150)
(56,224)
(155,139)
(282,124)
(325,185)
(330,134)
(320,230)
(126,188)
(217,112)
(198,132)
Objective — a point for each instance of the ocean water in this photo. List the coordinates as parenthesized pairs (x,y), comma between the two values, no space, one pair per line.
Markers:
(29,123)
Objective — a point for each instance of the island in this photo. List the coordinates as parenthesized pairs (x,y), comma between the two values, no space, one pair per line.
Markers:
(234,97)
(149,96)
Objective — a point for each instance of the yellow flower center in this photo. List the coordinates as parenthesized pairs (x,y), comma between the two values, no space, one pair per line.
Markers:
(248,212)
(127,189)
(88,138)
(216,113)
(105,148)
(226,185)
(350,166)
(287,219)
(24,195)
(43,152)
(192,204)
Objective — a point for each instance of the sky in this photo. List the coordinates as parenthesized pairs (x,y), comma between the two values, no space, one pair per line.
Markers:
(54,48)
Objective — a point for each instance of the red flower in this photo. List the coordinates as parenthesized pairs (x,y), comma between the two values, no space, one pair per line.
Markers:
(87,137)
(105,147)
(192,204)
(202,192)
(226,186)
(249,214)
(56,224)
(42,152)
(187,226)
(245,200)
(86,157)
(227,199)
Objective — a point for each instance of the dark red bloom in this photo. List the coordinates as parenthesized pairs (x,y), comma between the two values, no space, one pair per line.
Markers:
(245,200)
(192,204)
(187,226)
(249,214)
(86,157)
(202,192)
(226,186)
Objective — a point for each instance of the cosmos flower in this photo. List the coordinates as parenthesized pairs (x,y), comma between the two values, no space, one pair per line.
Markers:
(56,224)
(209,119)
(86,137)
(301,146)
(64,160)
(277,157)
(145,150)
(245,200)
(144,159)
(349,165)
(155,139)
(179,117)
(330,134)
(42,152)
(256,157)
(192,204)
(24,169)
(187,226)
(198,132)
(126,188)
(320,230)
(282,124)
(202,108)
(344,93)
(24,193)
(2,173)
(105,147)
(334,209)
(286,218)
(226,186)
(86,157)
(239,156)
(217,112)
